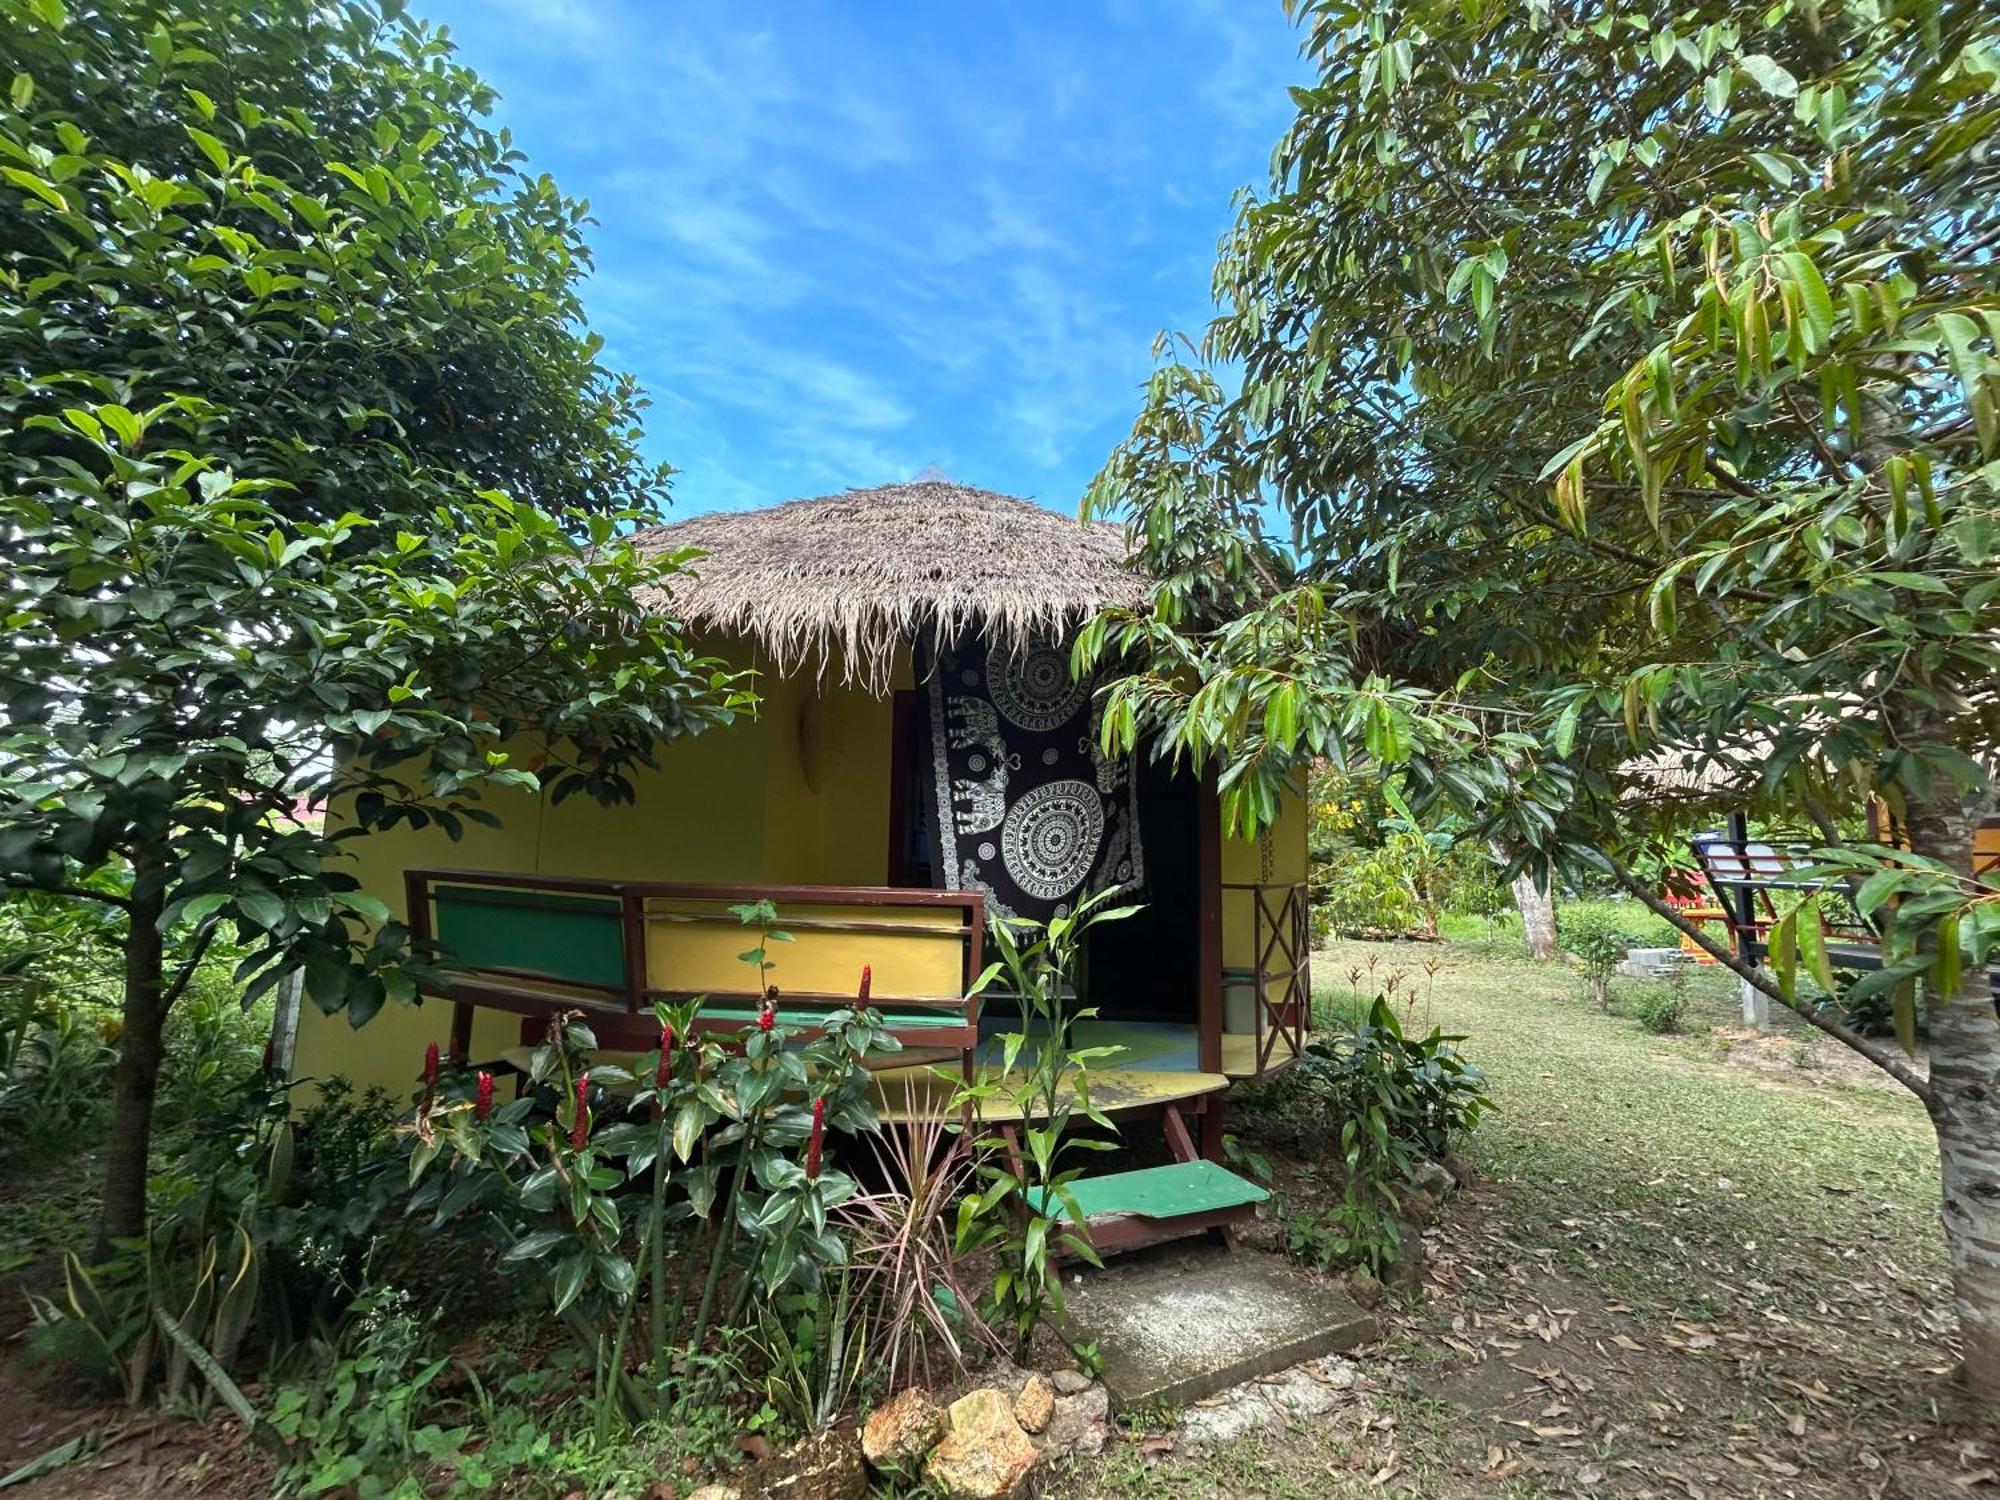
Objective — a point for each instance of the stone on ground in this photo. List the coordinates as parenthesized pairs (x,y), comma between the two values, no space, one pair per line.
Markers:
(1070,1382)
(1035,1404)
(1079,1424)
(984,1455)
(1305,1391)
(1178,1323)
(900,1432)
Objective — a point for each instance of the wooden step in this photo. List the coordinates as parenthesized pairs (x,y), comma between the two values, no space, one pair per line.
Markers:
(1124,1210)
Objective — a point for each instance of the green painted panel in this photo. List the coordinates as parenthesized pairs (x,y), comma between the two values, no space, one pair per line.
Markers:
(1189,1187)
(578,939)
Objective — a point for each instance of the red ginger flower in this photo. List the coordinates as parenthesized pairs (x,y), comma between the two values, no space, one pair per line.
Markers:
(867,977)
(579,1125)
(482,1097)
(767,1017)
(430,1067)
(665,1071)
(817,1139)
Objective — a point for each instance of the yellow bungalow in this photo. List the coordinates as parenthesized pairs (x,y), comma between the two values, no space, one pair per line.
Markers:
(920,760)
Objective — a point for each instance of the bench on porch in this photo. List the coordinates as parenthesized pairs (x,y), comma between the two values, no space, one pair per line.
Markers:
(533,945)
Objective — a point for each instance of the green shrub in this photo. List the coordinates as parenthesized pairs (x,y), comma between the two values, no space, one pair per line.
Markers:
(1385,1102)
(214,1047)
(1660,1009)
(1599,940)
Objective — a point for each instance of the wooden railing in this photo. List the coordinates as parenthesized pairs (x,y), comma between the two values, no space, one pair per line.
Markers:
(535,944)
(1281,945)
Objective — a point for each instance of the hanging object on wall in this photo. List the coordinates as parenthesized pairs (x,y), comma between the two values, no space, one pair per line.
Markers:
(1029,810)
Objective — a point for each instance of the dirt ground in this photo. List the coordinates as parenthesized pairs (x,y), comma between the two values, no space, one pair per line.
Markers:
(1704,1265)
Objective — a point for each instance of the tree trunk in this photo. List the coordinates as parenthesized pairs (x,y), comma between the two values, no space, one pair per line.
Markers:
(1965,1111)
(140,1047)
(1538,915)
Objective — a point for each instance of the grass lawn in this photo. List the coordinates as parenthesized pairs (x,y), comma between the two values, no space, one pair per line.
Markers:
(1694,1265)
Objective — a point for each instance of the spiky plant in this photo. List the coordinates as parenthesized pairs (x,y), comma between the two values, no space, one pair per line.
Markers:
(901,1244)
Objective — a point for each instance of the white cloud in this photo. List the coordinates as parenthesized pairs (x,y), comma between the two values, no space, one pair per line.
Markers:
(847,244)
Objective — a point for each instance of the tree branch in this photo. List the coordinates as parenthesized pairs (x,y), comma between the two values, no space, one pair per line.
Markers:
(81,892)
(185,972)
(1894,1066)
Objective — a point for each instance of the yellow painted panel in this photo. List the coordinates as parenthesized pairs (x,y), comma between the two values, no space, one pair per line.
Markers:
(1277,856)
(925,959)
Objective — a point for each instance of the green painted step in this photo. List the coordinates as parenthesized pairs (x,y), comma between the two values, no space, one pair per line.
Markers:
(797,1015)
(1188,1187)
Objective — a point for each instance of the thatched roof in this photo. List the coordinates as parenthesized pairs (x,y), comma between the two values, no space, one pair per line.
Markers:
(847,579)
(1683,772)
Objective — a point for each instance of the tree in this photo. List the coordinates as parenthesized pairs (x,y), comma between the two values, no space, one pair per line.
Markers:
(1537,905)
(1626,377)
(312,488)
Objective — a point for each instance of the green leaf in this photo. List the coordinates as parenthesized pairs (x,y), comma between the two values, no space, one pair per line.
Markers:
(567,1281)
(213,149)
(1946,968)
(1815,302)
(42,190)
(1769,75)
(261,907)
(536,1245)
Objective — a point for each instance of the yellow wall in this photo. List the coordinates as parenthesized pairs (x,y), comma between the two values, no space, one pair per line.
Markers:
(1275,857)
(797,794)
(733,804)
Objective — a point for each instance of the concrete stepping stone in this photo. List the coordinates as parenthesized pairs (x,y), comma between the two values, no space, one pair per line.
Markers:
(1178,1323)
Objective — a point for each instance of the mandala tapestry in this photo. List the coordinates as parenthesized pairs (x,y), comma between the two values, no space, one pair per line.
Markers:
(1028,810)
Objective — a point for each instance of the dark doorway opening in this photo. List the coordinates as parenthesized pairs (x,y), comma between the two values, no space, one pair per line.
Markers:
(912,841)
(1147,967)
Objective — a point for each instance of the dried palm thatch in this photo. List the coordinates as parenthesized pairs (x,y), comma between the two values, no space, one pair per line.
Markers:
(1685,773)
(848,579)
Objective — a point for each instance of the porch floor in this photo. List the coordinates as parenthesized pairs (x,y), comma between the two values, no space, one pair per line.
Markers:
(1145,1046)
(1158,1063)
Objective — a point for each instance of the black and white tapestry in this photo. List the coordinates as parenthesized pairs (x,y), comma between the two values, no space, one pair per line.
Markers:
(1028,809)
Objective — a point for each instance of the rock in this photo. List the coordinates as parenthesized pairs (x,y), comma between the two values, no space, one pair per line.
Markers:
(984,1455)
(826,1466)
(1080,1423)
(1363,1288)
(717,1492)
(1070,1382)
(1303,1391)
(897,1435)
(1419,1204)
(1406,1272)
(1035,1404)
(1434,1178)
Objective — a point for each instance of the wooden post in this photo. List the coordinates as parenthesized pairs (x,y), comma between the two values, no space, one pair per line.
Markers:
(632,919)
(1208,924)
(417,916)
(1743,917)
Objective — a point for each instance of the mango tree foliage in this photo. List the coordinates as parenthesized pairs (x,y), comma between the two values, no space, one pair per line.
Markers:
(1608,390)
(312,489)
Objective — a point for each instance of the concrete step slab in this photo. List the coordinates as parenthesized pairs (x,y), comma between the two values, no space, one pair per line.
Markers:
(1180,1322)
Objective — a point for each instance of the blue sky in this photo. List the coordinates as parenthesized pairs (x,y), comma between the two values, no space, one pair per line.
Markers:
(840,243)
